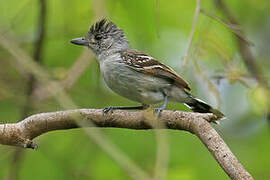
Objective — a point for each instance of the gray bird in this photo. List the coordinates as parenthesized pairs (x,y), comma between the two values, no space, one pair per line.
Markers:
(136,75)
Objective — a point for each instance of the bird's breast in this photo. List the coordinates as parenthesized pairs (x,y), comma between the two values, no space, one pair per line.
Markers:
(131,84)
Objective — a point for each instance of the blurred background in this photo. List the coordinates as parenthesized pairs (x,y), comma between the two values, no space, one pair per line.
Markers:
(227,64)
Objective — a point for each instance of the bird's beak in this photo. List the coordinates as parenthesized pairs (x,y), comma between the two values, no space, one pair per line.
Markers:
(80,41)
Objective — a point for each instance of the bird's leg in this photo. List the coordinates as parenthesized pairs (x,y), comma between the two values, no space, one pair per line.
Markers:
(158,110)
(111,108)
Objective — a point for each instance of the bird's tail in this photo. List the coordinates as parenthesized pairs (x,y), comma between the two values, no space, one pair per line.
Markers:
(198,105)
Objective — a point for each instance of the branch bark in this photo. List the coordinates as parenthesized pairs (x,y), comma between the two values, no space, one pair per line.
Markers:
(22,133)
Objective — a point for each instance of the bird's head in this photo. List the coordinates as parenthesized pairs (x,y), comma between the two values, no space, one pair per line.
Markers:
(103,37)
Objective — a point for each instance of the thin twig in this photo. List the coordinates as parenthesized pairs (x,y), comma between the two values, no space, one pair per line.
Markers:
(236,29)
(191,35)
(200,73)
(31,82)
(157,21)
(74,73)
(245,51)
(163,146)
(16,18)
(211,86)
(41,30)
(162,150)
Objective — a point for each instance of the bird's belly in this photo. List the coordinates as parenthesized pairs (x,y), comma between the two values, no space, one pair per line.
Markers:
(134,85)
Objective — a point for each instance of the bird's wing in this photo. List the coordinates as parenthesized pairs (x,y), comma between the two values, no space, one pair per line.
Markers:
(146,64)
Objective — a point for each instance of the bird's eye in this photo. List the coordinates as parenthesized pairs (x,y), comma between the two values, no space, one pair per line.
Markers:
(98,37)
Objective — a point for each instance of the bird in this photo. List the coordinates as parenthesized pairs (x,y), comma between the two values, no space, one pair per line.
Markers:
(135,75)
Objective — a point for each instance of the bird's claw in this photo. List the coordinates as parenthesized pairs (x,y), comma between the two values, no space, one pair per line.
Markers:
(158,111)
(107,109)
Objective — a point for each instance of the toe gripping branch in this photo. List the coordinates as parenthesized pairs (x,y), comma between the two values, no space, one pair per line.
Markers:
(142,107)
(111,108)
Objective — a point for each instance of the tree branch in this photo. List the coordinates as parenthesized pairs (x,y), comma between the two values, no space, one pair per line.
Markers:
(21,133)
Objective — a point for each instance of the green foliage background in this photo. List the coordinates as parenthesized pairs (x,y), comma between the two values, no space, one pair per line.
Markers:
(163,32)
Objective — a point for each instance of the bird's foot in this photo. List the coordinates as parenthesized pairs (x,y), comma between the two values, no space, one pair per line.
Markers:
(158,111)
(111,108)
(108,109)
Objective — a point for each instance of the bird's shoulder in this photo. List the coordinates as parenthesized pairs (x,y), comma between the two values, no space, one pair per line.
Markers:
(146,64)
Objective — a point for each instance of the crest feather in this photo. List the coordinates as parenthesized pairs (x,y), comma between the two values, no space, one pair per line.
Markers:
(104,27)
